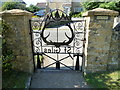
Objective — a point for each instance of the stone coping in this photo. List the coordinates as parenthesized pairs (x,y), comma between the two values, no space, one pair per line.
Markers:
(16,12)
(101,11)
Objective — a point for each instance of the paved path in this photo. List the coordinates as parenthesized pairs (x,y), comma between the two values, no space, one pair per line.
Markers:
(58,79)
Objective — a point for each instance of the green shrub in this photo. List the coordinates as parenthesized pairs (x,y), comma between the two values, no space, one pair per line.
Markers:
(107,5)
(7,55)
(32,8)
(10,77)
(76,15)
(13,5)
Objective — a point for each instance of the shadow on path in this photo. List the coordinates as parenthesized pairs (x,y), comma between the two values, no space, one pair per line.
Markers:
(58,79)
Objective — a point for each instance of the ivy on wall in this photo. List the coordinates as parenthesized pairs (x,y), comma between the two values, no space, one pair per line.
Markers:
(7,55)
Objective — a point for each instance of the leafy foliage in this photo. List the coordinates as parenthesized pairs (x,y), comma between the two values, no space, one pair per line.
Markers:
(7,55)
(111,5)
(32,8)
(18,5)
(107,5)
(10,77)
(91,5)
(76,14)
(13,5)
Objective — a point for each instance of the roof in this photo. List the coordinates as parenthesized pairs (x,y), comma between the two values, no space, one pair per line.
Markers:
(22,1)
(66,5)
(41,5)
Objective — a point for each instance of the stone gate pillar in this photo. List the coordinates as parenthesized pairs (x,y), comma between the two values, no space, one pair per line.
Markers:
(99,24)
(18,38)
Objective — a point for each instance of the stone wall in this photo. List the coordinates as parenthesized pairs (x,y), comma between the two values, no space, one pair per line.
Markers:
(18,38)
(0,55)
(114,53)
(99,40)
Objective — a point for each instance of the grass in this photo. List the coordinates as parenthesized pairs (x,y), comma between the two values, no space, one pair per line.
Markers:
(14,79)
(109,80)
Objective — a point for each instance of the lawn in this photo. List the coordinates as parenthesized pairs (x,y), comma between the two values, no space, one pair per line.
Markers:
(109,80)
(14,79)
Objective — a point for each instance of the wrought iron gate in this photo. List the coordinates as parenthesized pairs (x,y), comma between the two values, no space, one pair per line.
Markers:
(57,38)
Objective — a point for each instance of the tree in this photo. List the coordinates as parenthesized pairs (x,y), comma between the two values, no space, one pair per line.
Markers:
(91,5)
(107,5)
(32,8)
(111,5)
(13,5)
(118,6)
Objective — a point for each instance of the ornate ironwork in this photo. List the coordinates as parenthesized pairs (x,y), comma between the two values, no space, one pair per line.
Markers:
(50,18)
(72,43)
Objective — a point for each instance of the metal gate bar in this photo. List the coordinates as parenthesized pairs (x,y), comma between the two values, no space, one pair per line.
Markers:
(57,18)
(57,61)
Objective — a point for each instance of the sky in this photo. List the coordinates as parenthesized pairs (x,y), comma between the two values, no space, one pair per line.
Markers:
(34,2)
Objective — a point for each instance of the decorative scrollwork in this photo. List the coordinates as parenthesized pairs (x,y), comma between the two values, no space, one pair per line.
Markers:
(36,49)
(77,50)
(36,25)
(79,35)
(37,42)
(37,35)
(43,34)
(79,26)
